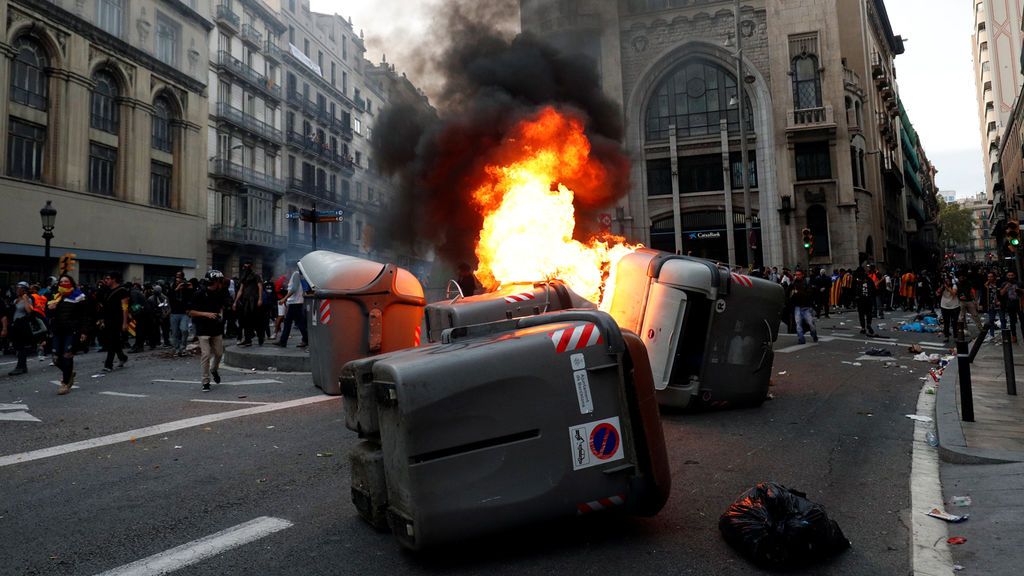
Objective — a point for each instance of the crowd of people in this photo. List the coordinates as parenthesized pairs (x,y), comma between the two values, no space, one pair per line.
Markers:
(63,318)
(959,292)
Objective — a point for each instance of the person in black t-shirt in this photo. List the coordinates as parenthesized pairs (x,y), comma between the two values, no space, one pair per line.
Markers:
(115,320)
(207,313)
(864,290)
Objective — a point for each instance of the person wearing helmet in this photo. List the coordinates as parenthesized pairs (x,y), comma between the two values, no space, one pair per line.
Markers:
(207,313)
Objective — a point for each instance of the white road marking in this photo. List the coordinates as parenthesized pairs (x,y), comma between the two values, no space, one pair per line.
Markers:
(229,402)
(57,383)
(155,430)
(236,383)
(931,554)
(16,413)
(795,348)
(125,394)
(875,358)
(8,363)
(203,548)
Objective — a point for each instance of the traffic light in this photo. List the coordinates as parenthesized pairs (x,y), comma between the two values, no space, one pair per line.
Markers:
(1013,233)
(808,240)
(67,263)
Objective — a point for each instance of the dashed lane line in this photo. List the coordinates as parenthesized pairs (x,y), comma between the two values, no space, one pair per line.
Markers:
(123,394)
(203,548)
(155,430)
(229,402)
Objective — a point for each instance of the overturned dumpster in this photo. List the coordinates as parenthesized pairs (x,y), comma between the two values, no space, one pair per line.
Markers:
(505,424)
(708,331)
(515,301)
(357,308)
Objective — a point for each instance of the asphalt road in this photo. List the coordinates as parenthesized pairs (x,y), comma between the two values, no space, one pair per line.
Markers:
(266,486)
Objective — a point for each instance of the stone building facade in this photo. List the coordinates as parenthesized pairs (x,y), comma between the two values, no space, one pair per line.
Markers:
(823,123)
(105,109)
(245,140)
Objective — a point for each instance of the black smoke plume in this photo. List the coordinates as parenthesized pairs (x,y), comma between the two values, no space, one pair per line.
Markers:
(491,82)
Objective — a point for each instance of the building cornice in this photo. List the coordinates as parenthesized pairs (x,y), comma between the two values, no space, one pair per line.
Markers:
(895,42)
(99,36)
(186,11)
(270,17)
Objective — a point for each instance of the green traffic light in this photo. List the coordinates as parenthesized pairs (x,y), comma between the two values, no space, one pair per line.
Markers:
(1014,241)
(807,244)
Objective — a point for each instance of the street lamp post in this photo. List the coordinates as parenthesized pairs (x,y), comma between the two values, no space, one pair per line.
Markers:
(744,156)
(48,215)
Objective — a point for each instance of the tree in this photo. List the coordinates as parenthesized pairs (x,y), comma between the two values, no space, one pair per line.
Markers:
(957,223)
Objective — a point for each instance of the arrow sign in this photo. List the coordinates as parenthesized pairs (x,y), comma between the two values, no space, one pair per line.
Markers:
(291,215)
(321,219)
(330,212)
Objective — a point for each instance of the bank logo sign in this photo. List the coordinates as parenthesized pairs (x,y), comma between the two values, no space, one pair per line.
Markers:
(705,235)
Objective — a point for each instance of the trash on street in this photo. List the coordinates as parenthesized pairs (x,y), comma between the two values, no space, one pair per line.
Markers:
(943,515)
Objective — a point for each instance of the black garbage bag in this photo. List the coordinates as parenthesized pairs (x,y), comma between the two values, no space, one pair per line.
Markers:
(777,527)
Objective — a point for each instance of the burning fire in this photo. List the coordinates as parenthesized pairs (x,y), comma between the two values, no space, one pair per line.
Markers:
(528,211)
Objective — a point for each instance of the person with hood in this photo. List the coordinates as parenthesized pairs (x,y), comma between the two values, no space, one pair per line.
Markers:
(864,290)
(21,328)
(69,323)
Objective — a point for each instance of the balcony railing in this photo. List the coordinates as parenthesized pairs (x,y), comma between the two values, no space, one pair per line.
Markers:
(249,123)
(246,73)
(251,35)
(851,78)
(273,51)
(810,118)
(228,169)
(227,17)
(340,126)
(245,235)
(360,103)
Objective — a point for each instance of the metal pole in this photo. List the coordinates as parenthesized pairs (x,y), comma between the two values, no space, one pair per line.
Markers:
(46,257)
(744,158)
(730,227)
(313,224)
(963,362)
(677,216)
(1011,376)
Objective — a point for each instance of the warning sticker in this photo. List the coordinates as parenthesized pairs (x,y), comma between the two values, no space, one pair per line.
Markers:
(583,391)
(579,362)
(596,443)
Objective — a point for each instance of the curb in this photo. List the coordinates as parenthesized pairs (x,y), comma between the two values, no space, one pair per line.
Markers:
(952,444)
(248,360)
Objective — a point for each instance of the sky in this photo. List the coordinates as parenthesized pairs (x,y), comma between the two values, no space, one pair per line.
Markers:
(935,75)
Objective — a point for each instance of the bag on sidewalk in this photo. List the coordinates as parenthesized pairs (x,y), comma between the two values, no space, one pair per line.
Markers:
(777,527)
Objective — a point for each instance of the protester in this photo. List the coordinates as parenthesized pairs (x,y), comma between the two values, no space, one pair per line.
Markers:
(207,312)
(866,292)
(803,307)
(69,323)
(294,314)
(949,304)
(114,320)
(248,305)
(179,298)
(965,292)
(990,303)
(21,328)
(1010,297)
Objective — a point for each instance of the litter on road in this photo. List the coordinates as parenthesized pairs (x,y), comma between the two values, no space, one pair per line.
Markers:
(919,418)
(878,352)
(943,515)
(960,501)
(955,540)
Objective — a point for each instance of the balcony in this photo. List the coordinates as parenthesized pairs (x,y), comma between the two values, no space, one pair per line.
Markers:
(247,74)
(273,51)
(252,36)
(249,123)
(224,168)
(811,119)
(244,235)
(360,103)
(227,18)
(340,126)
(851,79)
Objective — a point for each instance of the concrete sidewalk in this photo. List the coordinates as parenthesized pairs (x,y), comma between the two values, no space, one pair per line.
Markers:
(984,460)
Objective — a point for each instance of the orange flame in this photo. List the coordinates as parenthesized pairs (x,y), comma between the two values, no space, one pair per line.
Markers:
(529,218)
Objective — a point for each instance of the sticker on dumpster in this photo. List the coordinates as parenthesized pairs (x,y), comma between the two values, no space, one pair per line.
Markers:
(325,312)
(582,383)
(513,298)
(576,337)
(720,306)
(595,443)
(742,280)
(578,361)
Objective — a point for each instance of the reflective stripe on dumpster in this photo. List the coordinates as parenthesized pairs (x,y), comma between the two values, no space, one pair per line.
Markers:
(602,504)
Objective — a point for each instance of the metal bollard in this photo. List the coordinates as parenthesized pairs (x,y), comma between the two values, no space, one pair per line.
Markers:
(1011,377)
(963,361)
(978,342)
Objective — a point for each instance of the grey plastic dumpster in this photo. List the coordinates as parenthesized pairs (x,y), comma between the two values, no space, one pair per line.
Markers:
(356,308)
(516,301)
(506,424)
(709,332)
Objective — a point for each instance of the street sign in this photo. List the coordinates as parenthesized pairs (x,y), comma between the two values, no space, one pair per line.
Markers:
(292,215)
(322,219)
(330,212)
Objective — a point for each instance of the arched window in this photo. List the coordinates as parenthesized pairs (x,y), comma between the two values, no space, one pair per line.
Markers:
(161,134)
(695,96)
(104,113)
(817,221)
(806,82)
(28,76)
